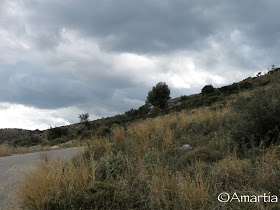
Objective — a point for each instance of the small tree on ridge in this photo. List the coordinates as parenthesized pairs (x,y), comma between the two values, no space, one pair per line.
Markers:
(84,119)
(159,95)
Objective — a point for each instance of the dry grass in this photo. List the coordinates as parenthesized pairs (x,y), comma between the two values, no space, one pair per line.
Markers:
(194,190)
(23,150)
(5,150)
(268,173)
(140,167)
(232,173)
(53,181)
(153,140)
(146,132)
(118,133)
(100,146)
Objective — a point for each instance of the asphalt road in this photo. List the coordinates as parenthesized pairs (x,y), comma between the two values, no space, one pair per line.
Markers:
(13,168)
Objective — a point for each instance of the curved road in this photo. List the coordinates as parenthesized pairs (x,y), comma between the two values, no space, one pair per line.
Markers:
(13,168)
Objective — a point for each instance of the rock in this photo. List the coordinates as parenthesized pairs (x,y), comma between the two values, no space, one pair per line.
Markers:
(186,148)
(54,147)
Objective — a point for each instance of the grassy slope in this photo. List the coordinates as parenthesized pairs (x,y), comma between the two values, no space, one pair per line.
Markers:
(140,165)
(58,135)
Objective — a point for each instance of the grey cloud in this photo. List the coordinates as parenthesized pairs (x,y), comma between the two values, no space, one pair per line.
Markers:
(150,27)
(32,86)
(39,89)
(141,26)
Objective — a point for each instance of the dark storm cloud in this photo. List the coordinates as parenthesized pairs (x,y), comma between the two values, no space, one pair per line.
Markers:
(151,26)
(29,85)
(138,26)
(33,86)
(104,56)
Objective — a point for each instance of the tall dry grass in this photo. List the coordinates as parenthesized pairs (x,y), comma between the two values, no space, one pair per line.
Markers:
(141,167)
(267,173)
(194,190)
(5,150)
(54,183)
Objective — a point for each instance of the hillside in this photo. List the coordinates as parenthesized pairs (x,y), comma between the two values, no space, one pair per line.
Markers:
(58,135)
(219,148)
(21,135)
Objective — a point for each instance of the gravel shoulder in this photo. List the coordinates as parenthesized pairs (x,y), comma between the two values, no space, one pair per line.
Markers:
(13,168)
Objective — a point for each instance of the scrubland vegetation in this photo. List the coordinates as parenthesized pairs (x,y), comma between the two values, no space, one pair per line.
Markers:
(140,164)
(4,150)
(7,150)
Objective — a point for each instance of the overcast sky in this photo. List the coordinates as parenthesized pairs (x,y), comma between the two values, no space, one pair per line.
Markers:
(59,59)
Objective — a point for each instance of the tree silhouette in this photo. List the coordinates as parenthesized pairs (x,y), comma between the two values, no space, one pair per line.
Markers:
(159,95)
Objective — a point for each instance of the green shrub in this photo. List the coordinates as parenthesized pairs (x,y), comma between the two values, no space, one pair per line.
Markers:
(245,85)
(234,88)
(259,121)
(86,134)
(151,157)
(104,195)
(207,89)
(111,168)
(200,154)
(104,130)
(208,100)
(57,132)
(27,141)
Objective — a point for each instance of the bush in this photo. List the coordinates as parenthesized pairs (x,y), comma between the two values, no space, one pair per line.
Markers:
(234,88)
(245,85)
(111,168)
(200,154)
(86,134)
(26,141)
(57,132)
(105,195)
(104,130)
(259,122)
(208,100)
(131,112)
(143,110)
(207,89)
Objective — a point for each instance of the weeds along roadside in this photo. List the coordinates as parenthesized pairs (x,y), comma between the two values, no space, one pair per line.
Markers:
(7,150)
(142,167)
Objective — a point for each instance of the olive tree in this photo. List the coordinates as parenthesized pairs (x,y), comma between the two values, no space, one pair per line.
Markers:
(84,118)
(159,95)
